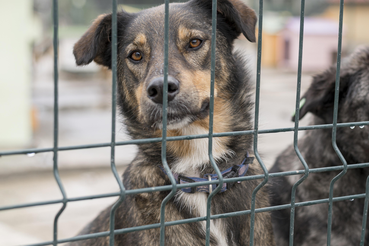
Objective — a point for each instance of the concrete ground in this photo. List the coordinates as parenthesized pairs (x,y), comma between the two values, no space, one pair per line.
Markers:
(85,118)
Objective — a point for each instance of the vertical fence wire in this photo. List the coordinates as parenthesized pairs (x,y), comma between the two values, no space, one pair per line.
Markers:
(365,213)
(56,121)
(256,125)
(113,120)
(334,129)
(297,114)
(164,128)
(211,121)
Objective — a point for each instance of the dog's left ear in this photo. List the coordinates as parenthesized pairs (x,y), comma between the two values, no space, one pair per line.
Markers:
(239,17)
(319,98)
(95,44)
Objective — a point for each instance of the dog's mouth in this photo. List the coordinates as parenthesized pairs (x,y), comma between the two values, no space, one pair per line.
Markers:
(179,115)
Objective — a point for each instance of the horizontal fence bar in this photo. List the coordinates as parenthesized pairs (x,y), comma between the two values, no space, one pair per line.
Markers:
(197,219)
(187,137)
(180,186)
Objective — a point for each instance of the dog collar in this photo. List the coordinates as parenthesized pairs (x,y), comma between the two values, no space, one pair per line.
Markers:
(232,172)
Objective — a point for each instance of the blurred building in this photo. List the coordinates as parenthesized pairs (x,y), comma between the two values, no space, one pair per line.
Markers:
(355,20)
(18,28)
(273,24)
(319,48)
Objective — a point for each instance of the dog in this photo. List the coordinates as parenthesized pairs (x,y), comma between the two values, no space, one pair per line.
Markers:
(140,76)
(316,148)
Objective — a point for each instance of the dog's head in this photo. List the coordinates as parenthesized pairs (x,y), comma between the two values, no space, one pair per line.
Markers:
(140,65)
(353,94)
(353,98)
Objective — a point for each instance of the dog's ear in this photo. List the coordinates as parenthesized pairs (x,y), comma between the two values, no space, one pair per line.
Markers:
(95,44)
(319,98)
(239,17)
(244,19)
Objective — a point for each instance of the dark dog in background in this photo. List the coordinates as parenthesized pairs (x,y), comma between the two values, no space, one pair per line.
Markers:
(316,148)
(140,97)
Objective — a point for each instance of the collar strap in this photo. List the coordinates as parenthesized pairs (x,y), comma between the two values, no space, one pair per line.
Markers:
(232,172)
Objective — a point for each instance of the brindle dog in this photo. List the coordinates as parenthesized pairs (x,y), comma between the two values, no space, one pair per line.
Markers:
(140,97)
(316,148)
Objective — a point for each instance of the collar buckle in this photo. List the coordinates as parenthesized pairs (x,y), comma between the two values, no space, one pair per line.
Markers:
(210,185)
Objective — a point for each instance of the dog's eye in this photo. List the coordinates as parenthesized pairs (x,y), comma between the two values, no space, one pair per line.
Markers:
(195,43)
(136,56)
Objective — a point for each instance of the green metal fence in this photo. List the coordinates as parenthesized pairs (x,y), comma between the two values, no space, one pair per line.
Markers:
(173,188)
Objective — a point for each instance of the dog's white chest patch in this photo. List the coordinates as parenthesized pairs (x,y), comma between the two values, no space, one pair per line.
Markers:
(199,152)
(196,204)
(189,166)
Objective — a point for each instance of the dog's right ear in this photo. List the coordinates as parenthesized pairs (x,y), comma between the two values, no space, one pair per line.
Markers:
(319,98)
(238,16)
(95,44)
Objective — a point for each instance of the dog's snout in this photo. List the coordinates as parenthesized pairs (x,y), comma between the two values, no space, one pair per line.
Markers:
(156,87)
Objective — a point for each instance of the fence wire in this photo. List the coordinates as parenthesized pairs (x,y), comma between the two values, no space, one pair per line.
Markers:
(173,187)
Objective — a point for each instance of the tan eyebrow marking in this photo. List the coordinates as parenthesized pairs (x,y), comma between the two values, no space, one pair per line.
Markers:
(185,33)
(139,41)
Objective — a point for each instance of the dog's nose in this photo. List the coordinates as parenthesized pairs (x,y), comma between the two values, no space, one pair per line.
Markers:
(156,86)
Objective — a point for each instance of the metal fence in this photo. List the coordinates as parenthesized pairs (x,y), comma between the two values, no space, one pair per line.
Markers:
(173,188)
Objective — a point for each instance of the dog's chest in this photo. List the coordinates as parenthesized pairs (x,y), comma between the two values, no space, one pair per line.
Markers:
(189,165)
(196,203)
(198,151)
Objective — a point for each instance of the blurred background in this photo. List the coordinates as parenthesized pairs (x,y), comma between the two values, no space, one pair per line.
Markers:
(26,101)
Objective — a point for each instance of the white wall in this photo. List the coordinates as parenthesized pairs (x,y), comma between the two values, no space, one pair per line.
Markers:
(15,72)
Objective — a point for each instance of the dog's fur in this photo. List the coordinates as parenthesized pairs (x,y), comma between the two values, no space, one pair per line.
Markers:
(188,114)
(316,148)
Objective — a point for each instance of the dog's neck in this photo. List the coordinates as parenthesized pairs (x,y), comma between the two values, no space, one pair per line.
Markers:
(192,156)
